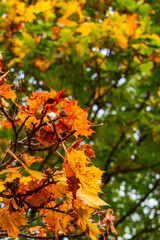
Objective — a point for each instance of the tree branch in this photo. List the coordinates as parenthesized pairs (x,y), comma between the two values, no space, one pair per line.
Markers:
(135,169)
(145,230)
(138,204)
(26,235)
(109,159)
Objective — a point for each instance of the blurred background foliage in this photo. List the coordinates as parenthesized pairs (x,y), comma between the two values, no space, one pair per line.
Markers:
(106,55)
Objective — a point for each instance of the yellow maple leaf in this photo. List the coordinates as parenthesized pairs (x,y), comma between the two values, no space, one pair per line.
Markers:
(61,186)
(25,180)
(30,14)
(35,174)
(76,164)
(12,175)
(20,8)
(84,213)
(84,28)
(11,222)
(90,198)
(2,187)
(93,231)
(43,6)
(73,7)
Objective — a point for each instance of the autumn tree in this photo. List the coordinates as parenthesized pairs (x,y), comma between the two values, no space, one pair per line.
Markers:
(105,54)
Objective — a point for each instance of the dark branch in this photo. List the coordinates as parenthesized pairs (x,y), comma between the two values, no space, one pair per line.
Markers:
(109,159)
(138,204)
(145,230)
(26,235)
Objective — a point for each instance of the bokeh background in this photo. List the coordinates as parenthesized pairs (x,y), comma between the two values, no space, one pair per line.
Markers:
(106,55)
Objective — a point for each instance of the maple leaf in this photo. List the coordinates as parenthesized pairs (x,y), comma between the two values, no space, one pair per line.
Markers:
(46,136)
(44,102)
(121,39)
(11,221)
(2,188)
(12,174)
(90,198)
(84,213)
(85,29)
(43,65)
(6,92)
(29,160)
(43,6)
(88,151)
(32,185)
(39,198)
(75,165)
(73,7)
(61,187)
(29,123)
(10,169)
(35,174)
(58,221)
(75,120)
(7,123)
(56,32)
(25,180)
(131,24)
(65,22)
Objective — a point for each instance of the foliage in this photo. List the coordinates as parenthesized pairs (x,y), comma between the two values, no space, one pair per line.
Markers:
(62,198)
(106,55)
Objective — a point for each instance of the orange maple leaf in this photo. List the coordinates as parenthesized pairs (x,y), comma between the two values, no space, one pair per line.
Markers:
(58,221)
(131,24)
(6,92)
(42,64)
(46,136)
(39,198)
(122,40)
(75,120)
(48,99)
(66,22)
(7,123)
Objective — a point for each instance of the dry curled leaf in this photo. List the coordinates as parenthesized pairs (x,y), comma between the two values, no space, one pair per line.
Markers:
(39,112)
